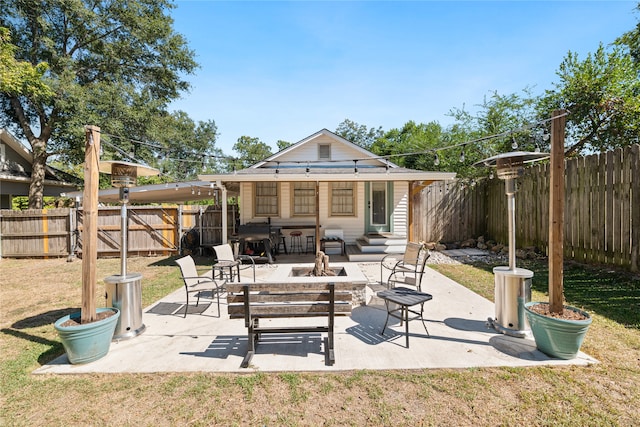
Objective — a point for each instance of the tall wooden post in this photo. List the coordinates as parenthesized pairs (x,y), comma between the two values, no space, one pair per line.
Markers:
(556,211)
(90,223)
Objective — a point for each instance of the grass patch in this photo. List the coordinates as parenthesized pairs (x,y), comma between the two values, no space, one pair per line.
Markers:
(604,394)
(610,293)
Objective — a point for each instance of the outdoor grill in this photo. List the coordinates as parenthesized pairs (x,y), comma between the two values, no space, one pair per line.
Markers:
(258,237)
(512,284)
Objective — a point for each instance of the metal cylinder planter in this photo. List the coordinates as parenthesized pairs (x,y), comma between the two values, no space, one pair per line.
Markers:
(557,337)
(89,341)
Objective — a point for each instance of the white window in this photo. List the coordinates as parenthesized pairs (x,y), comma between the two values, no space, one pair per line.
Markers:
(304,198)
(343,199)
(266,199)
(324,151)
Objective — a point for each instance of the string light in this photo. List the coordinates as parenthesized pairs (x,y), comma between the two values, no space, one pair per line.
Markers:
(202,157)
(355,167)
(306,173)
(514,143)
(386,168)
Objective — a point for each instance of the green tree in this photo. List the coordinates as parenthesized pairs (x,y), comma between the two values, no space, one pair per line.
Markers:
(401,145)
(20,78)
(282,144)
(250,151)
(602,95)
(181,148)
(359,134)
(631,39)
(111,63)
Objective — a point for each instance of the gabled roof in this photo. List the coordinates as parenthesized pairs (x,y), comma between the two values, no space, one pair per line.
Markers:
(363,153)
(361,165)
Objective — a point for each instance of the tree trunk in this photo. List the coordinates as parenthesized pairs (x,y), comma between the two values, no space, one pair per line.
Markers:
(36,189)
(38,149)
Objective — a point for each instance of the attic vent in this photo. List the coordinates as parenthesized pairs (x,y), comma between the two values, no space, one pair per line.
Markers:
(324,151)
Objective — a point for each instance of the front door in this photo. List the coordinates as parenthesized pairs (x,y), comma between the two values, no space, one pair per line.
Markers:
(378,212)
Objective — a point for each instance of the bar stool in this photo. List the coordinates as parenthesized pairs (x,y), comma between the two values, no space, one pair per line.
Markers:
(296,242)
(311,244)
(283,243)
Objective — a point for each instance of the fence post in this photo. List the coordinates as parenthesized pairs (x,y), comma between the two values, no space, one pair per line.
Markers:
(180,207)
(90,229)
(556,211)
(635,206)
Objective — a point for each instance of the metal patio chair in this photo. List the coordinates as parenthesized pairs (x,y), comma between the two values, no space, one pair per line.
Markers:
(195,282)
(407,270)
(405,289)
(229,266)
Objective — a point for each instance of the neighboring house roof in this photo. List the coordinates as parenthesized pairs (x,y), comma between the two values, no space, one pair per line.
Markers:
(16,165)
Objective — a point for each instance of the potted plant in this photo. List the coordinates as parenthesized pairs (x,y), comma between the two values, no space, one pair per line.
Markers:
(86,342)
(558,330)
(86,336)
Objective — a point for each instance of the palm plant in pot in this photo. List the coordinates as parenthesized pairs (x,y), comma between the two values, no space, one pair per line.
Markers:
(86,336)
(558,330)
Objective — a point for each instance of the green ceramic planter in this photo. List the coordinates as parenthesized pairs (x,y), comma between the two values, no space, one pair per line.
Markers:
(559,338)
(90,341)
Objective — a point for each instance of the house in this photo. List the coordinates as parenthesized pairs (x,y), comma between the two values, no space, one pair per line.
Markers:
(15,172)
(325,184)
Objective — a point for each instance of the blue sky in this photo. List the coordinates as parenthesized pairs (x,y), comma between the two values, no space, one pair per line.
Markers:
(284,70)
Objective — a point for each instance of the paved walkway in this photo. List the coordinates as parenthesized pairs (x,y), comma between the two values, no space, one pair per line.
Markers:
(209,341)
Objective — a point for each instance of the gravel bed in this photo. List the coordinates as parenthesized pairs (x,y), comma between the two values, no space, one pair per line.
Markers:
(488,257)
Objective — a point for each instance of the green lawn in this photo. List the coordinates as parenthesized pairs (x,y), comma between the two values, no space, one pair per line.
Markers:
(603,394)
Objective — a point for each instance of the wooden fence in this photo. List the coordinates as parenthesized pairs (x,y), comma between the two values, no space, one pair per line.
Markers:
(36,233)
(151,230)
(602,216)
(602,209)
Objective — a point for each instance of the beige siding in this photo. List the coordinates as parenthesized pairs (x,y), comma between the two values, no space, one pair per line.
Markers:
(309,152)
(353,227)
(400,208)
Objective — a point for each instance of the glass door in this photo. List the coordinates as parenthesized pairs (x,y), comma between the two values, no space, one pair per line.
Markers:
(378,215)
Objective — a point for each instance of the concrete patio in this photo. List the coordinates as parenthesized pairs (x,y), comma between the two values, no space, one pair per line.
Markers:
(208,341)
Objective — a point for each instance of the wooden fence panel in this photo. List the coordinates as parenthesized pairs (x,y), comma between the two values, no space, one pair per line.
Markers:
(35,233)
(634,201)
(602,209)
(448,209)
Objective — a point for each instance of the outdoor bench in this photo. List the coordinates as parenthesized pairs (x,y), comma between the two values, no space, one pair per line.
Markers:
(255,301)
